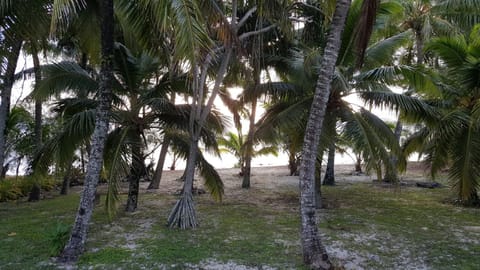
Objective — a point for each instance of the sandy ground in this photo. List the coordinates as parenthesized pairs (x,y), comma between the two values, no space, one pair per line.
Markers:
(271,183)
(276,179)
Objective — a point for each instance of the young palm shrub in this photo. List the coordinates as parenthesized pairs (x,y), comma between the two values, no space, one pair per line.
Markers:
(235,145)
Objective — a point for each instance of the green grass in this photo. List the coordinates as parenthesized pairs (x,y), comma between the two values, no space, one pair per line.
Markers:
(376,226)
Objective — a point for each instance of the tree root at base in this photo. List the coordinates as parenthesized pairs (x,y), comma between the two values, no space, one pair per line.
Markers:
(183,213)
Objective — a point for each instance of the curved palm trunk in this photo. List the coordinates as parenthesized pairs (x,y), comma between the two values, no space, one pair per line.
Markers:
(78,236)
(6,95)
(329,178)
(157,176)
(314,254)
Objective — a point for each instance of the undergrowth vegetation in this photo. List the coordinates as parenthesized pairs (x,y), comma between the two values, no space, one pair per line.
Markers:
(364,225)
(14,188)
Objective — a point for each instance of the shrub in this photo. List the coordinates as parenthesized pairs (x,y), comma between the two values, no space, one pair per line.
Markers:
(57,237)
(9,190)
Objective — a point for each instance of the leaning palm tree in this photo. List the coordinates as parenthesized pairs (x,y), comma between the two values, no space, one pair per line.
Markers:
(78,235)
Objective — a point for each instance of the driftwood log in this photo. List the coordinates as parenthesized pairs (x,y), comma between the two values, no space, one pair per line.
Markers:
(428,184)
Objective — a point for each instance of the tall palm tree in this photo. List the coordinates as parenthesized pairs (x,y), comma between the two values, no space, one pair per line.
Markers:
(314,254)
(78,235)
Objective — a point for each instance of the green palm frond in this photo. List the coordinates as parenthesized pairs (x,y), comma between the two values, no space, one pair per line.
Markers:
(116,164)
(412,108)
(190,35)
(363,134)
(181,145)
(63,10)
(213,181)
(465,13)
(465,156)
(62,77)
(378,53)
(452,50)
(278,90)
(416,142)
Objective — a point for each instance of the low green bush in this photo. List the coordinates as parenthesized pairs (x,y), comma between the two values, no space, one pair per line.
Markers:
(57,237)
(9,190)
(14,188)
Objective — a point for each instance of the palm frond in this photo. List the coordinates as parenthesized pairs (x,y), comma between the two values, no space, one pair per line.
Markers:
(377,54)
(63,77)
(116,165)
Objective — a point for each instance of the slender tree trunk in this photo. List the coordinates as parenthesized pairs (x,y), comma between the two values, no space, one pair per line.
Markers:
(329,178)
(183,213)
(249,146)
(358,165)
(38,102)
(157,176)
(292,163)
(137,169)
(8,80)
(419,45)
(78,236)
(66,180)
(314,253)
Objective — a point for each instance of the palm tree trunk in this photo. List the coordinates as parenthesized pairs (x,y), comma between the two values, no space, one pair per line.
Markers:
(6,93)
(249,147)
(329,178)
(137,169)
(38,102)
(391,174)
(78,236)
(314,253)
(183,214)
(318,184)
(157,176)
(66,180)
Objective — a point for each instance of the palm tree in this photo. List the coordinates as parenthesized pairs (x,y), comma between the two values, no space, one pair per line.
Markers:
(314,254)
(78,236)
(236,145)
(19,21)
(230,37)
(451,139)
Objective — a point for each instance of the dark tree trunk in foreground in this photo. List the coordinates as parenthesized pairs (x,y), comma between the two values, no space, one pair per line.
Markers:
(314,253)
(157,176)
(329,178)
(78,236)
(8,80)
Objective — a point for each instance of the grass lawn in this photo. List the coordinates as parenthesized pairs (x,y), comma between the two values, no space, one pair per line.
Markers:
(364,225)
